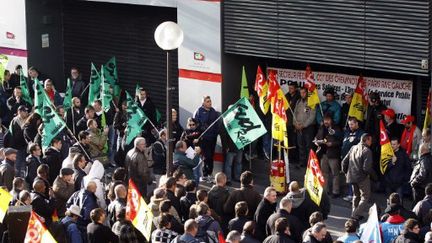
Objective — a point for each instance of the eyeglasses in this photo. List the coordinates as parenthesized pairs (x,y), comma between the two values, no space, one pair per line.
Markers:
(192,124)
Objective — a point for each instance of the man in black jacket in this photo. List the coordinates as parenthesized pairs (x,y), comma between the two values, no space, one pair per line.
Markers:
(282,234)
(15,139)
(265,208)
(284,211)
(78,86)
(97,231)
(15,101)
(53,158)
(81,124)
(217,197)
(42,205)
(74,115)
(422,173)
(170,187)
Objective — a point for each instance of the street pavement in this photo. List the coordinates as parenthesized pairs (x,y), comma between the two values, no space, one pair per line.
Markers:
(340,209)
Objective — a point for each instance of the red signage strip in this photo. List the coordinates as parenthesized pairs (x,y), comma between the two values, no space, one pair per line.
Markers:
(210,77)
(13,52)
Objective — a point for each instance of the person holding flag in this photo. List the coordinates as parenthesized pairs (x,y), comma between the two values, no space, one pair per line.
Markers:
(398,171)
(393,128)
(357,165)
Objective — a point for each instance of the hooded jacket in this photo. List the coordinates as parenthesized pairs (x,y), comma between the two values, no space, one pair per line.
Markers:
(391,228)
(96,174)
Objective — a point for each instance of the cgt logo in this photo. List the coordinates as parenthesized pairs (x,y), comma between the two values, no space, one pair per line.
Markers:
(198,56)
(10,35)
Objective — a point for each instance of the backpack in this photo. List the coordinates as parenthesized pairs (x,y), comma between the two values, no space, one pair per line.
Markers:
(204,235)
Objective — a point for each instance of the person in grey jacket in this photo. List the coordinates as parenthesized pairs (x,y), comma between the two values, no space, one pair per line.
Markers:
(422,173)
(304,124)
(357,165)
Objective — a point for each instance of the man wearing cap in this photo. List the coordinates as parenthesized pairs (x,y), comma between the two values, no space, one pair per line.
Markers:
(63,188)
(411,137)
(329,106)
(7,170)
(69,223)
(394,129)
(393,225)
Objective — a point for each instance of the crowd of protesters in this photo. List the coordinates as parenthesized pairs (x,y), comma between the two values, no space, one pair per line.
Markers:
(83,176)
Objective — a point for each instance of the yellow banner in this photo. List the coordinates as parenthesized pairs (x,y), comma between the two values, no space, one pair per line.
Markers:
(5,199)
(313,98)
(263,101)
(314,180)
(357,107)
(138,211)
(386,149)
(36,231)
(279,131)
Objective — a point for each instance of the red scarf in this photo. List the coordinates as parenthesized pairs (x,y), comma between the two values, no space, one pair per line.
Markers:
(51,95)
(407,139)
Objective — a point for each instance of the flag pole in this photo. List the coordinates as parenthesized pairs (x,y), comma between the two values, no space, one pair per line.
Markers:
(73,119)
(210,126)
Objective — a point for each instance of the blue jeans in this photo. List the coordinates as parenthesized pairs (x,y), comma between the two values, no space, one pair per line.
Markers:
(197,172)
(235,157)
(267,146)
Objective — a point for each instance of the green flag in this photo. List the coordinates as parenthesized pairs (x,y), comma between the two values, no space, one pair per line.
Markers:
(158,116)
(136,119)
(53,123)
(95,83)
(244,90)
(106,95)
(24,89)
(111,75)
(67,101)
(39,97)
(242,123)
(137,90)
(3,64)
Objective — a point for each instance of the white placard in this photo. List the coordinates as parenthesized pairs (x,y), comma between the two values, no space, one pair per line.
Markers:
(395,94)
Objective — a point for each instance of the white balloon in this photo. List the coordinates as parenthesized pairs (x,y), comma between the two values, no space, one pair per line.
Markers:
(168,36)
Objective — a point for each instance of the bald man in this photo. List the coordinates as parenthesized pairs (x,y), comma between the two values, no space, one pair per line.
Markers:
(86,200)
(42,205)
(115,206)
(422,173)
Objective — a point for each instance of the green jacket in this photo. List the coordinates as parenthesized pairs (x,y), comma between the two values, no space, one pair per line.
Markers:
(186,164)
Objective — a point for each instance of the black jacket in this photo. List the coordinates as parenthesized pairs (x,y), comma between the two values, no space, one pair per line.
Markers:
(159,157)
(30,132)
(262,213)
(185,203)
(237,223)
(395,130)
(78,88)
(174,200)
(217,197)
(120,122)
(53,159)
(78,178)
(17,140)
(43,206)
(247,238)
(13,105)
(81,125)
(296,227)
(245,193)
(32,165)
(398,174)
(97,233)
(422,174)
(279,238)
(76,117)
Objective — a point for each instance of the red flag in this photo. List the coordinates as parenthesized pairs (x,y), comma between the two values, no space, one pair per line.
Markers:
(260,82)
(310,80)
(273,85)
(37,232)
(361,89)
(221,237)
(279,108)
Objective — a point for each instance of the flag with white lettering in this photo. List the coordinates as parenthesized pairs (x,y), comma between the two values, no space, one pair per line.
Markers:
(242,123)
(313,98)
(261,87)
(136,119)
(386,149)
